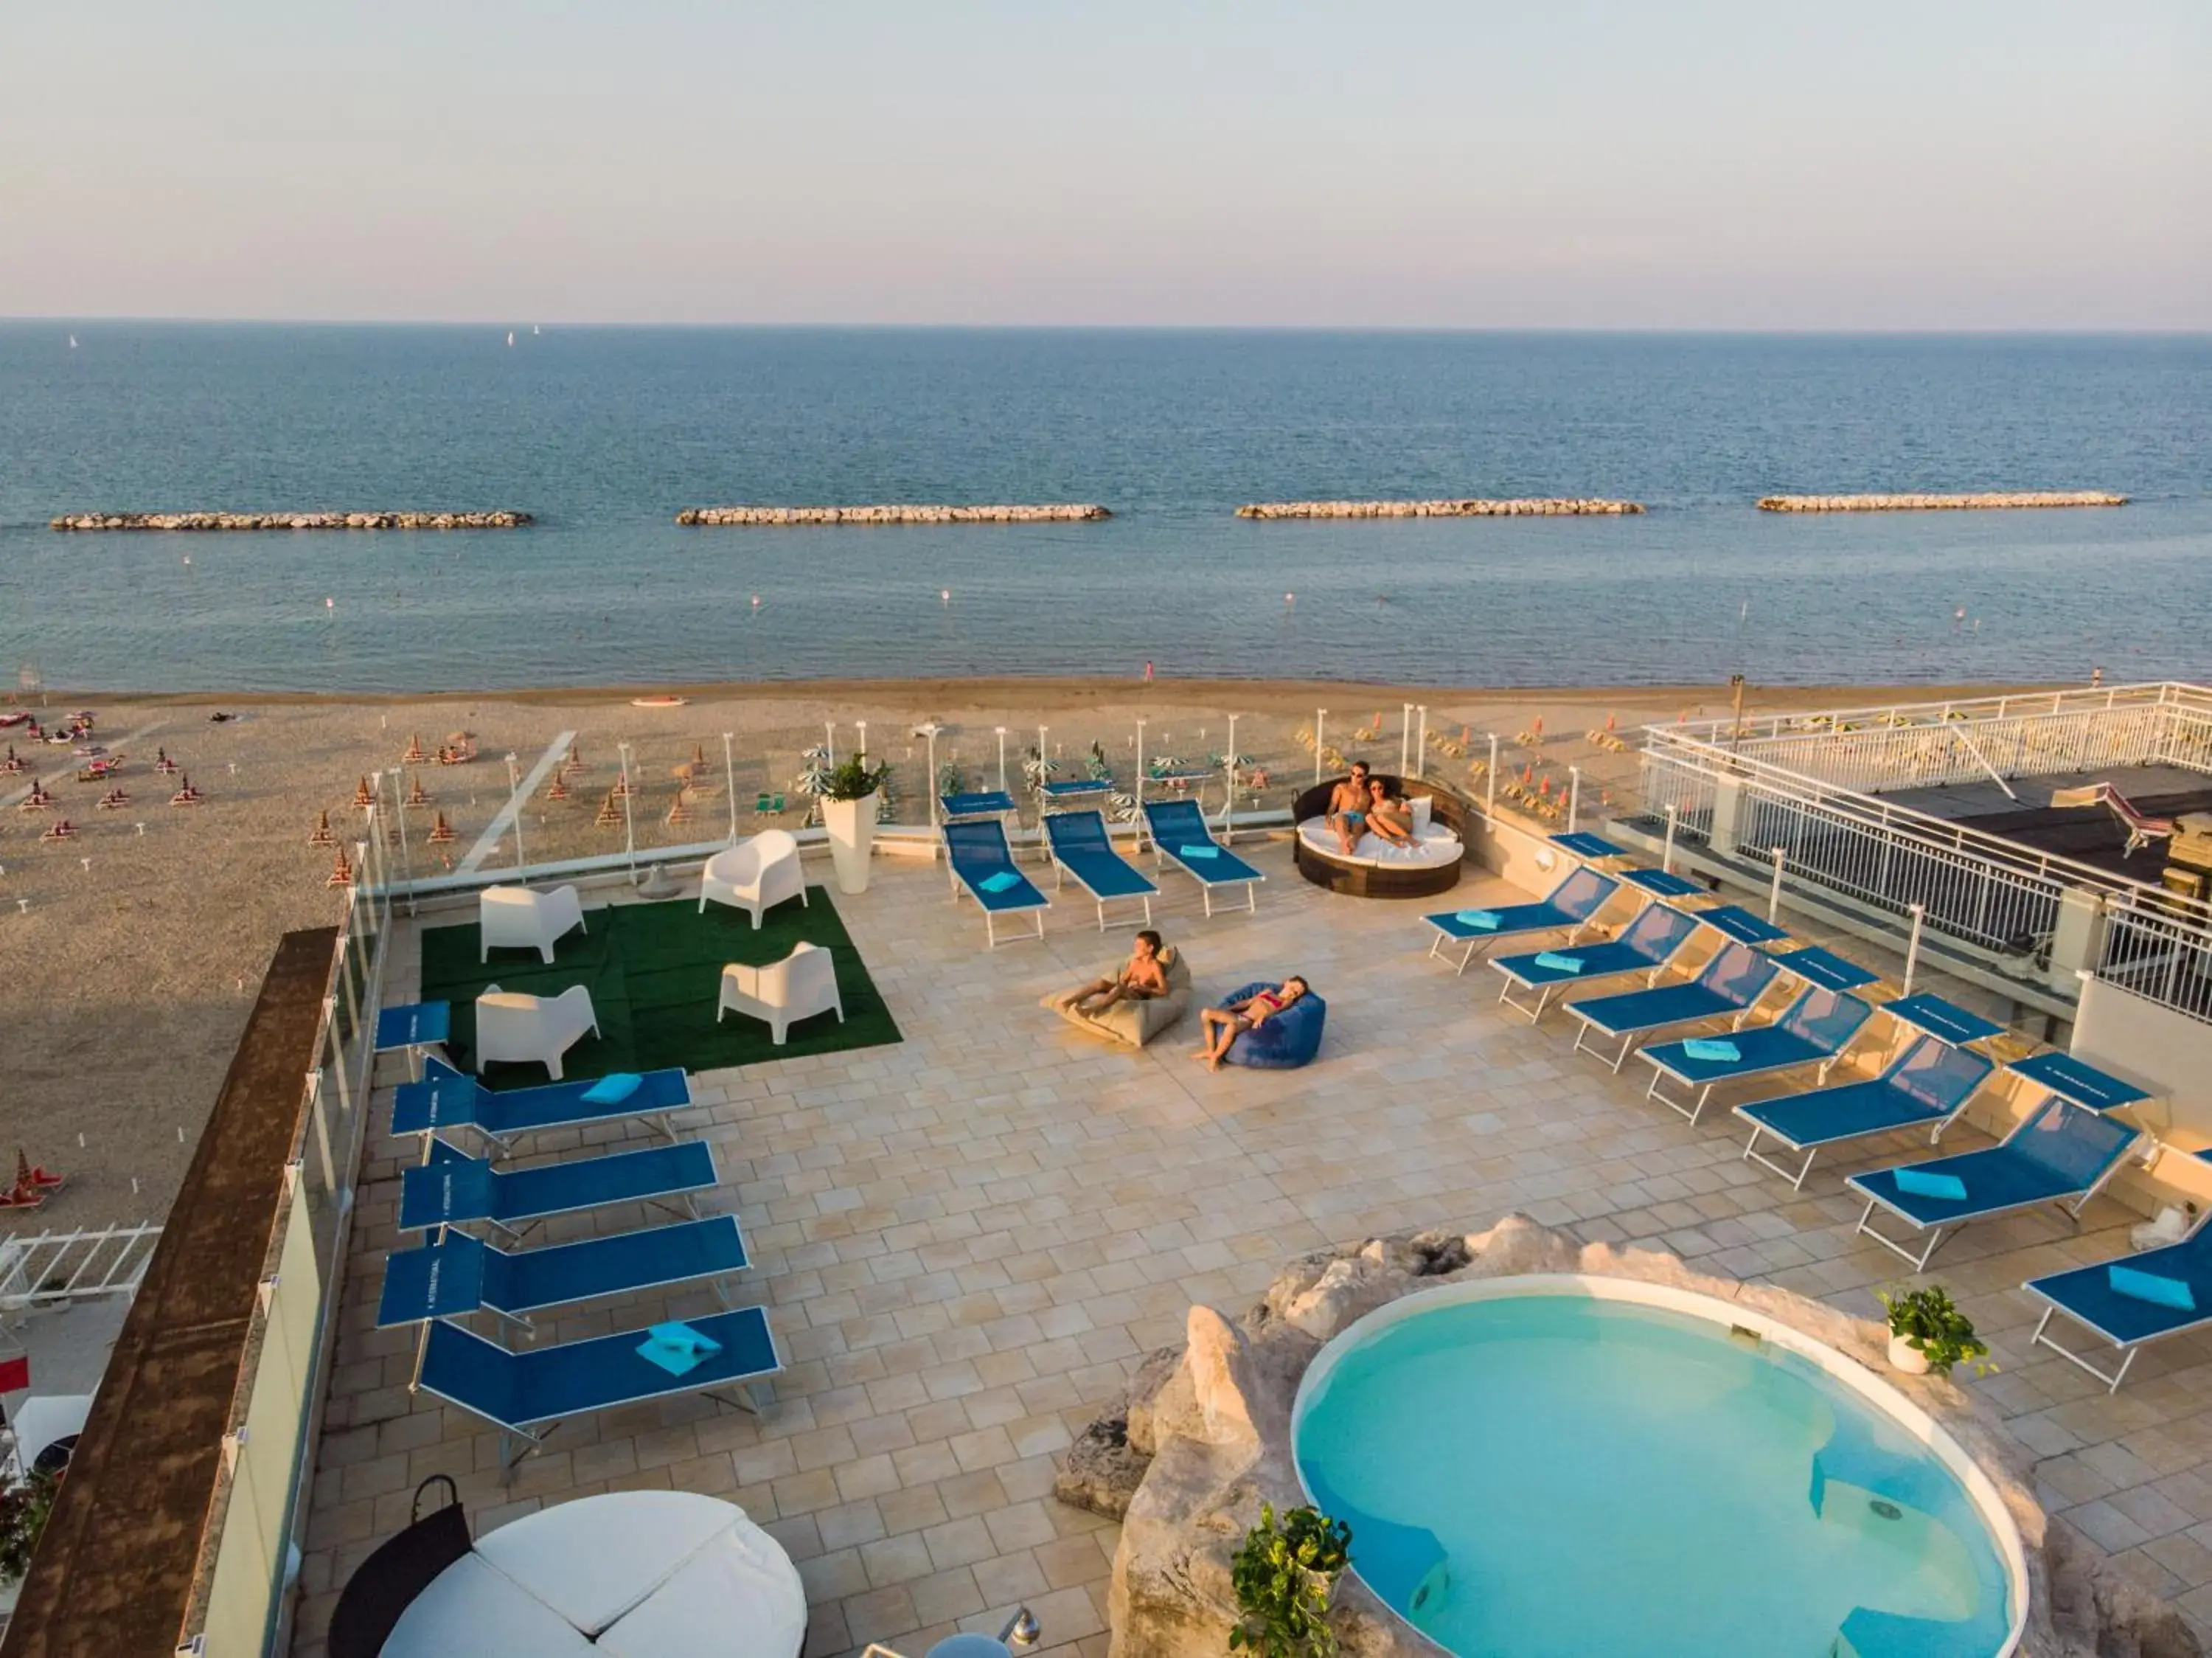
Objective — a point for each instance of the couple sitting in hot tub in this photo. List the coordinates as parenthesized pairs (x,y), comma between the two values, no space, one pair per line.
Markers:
(1360,803)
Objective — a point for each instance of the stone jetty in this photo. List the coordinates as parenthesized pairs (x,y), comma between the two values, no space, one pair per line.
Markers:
(292,520)
(1551,507)
(1071,513)
(1939,503)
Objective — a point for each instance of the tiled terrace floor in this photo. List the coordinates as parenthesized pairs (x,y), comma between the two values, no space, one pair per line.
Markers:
(967,1240)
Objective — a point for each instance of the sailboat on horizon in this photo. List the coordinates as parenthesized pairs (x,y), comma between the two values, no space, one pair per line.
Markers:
(72,342)
(510,338)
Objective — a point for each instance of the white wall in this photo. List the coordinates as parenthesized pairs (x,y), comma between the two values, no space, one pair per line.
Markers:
(2170,1054)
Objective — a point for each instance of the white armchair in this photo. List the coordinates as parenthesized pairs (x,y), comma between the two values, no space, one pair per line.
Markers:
(803,982)
(754,876)
(512,1025)
(514,918)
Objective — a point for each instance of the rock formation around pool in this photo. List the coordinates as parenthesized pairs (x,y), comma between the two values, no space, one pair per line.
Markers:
(1202,1437)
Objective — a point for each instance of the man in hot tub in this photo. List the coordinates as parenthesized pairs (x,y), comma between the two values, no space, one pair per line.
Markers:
(1347,808)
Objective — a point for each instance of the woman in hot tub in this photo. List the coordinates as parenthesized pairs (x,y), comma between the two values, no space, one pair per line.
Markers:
(1388,817)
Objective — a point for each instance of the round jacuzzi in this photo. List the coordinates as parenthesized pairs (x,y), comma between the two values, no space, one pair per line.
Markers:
(1558,1466)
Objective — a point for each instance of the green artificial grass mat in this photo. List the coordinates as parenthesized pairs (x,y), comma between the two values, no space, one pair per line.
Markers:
(655,972)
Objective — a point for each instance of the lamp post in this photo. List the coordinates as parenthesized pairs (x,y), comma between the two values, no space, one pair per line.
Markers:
(629,823)
(730,783)
(515,811)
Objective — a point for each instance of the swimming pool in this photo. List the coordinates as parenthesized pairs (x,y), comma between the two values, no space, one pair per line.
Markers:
(1556,1466)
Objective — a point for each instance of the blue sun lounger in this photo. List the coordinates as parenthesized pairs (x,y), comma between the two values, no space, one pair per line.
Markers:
(1570,906)
(457,1275)
(1646,944)
(1080,847)
(1816,1029)
(2062,1155)
(1728,987)
(984,864)
(2073,1079)
(1178,829)
(452,1187)
(1927,1086)
(528,1395)
(447,1098)
(2130,1322)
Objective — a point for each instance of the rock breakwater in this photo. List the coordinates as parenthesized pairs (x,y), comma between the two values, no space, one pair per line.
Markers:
(1557,507)
(1939,503)
(292,520)
(1059,513)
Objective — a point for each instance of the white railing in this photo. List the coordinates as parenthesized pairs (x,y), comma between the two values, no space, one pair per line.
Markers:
(2161,956)
(55,1268)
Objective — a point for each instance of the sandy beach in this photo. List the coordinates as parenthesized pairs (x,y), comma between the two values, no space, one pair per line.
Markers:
(132,952)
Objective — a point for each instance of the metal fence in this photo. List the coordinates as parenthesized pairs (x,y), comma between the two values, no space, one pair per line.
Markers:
(2159,956)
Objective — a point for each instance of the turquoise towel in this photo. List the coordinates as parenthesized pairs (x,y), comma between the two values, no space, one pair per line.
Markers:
(677,1348)
(613,1088)
(1699,1047)
(2153,1287)
(1488,920)
(1201,851)
(1560,964)
(1000,881)
(1930,1185)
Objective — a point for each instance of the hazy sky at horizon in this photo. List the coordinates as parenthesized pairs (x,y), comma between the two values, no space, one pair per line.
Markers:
(1709,163)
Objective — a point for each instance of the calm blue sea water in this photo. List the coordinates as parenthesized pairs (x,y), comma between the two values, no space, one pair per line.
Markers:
(605,433)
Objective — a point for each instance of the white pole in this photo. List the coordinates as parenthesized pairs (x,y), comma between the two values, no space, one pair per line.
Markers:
(1229,809)
(1421,745)
(861,725)
(406,856)
(1045,767)
(1321,718)
(933,776)
(1490,779)
(829,741)
(514,809)
(1667,856)
(1002,759)
(1774,891)
(1912,948)
(1405,742)
(629,824)
(1140,784)
(1574,796)
(730,783)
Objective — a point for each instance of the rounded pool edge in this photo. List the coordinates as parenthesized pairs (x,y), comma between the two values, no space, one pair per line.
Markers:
(1980,1490)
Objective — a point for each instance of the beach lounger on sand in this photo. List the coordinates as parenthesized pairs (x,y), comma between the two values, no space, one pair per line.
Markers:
(528,1395)
(2062,1155)
(1728,987)
(1645,946)
(1815,1029)
(1081,848)
(447,1098)
(457,1274)
(1569,908)
(1178,829)
(2131,1321)
(1927,1087)
(983,863)
(452,1187)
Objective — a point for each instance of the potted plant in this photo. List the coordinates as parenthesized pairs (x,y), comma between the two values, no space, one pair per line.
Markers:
(1285,1575)
(849,789)
(23,1511)
(1928,1333)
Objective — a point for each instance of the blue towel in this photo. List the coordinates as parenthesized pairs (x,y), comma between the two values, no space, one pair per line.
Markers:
(2153,1287)
(1000,881)
(1200,851)
(613,1088)
(1699,1047)
(677,1348)
(1488,920)
(1560,964)
(1924,1184)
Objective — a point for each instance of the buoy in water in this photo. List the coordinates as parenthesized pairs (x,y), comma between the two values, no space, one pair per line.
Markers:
(945,595)
(1290,598)
(756,602)
(330,604)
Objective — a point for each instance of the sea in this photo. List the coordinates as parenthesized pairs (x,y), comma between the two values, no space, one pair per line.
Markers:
(605,433)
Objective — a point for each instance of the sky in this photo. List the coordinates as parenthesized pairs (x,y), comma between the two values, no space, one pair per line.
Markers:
(1968,164)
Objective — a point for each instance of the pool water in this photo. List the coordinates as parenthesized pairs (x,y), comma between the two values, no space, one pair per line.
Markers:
(1557,1476)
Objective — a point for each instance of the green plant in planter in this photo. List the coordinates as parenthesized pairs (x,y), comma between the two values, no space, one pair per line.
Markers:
(853,778)
(1283,1576)
(23,1511)
(1932,1325)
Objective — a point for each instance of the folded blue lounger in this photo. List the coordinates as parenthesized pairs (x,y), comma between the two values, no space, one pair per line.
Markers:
(1927,1087)
(528,1395)
(1644,946)
(458,1274)
(2062,1155)
(977,803)
(1178,829)
(1815,1030)
(447,1098)
(1662,883)
(2070,1078)
(452,1187)
(1728,986)
(2085,1294)
(984,864)
(1570,906)
(1081,848)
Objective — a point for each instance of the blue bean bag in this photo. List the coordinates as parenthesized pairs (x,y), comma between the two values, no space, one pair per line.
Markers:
(1283,1041)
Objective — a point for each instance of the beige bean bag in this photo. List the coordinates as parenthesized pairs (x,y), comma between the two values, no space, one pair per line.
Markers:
(1135,1023)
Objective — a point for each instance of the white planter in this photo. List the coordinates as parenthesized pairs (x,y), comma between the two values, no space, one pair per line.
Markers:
(1911,1360)
(852,828)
